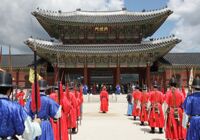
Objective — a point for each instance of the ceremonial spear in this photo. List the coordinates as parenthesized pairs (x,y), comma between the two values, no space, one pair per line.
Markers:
(59,101)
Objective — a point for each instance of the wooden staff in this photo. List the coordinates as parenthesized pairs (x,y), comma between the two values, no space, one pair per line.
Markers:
(59,101)
(35,80)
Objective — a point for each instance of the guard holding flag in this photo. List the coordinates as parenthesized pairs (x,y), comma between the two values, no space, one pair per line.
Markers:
(49,109)
(13,118)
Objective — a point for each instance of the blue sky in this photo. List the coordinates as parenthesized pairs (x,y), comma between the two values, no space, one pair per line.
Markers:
(139,5)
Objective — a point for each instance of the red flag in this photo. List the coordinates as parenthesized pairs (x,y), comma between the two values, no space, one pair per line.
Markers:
(33,100)
(183,91)
(61,93)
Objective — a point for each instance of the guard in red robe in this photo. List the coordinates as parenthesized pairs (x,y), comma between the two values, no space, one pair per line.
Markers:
(136,106)
(80,101)
(104,100)
(174,99)
(55,123)
(65,111)
(20,97)
(156,117)
(144,108)
(70,94)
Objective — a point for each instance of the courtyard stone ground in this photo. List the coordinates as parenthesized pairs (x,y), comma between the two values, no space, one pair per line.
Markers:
(114,125)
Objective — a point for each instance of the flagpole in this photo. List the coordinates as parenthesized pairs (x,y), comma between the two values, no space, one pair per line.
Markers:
(35,78)
(59,101)
(1,57)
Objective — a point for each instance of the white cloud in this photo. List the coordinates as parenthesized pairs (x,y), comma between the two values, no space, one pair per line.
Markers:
(187,17)
(17,23)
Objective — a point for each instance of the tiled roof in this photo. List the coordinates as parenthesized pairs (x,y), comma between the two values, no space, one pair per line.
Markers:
(92,49)
(101,16)
(182,59)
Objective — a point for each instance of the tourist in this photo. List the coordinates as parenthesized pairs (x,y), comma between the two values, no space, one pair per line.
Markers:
(130,104)
(156,117)
(174,100)
(85,89)
(144,102)
(118,89)
(136,96)
(104,99)
(191,108)
(13,118)
(49,109)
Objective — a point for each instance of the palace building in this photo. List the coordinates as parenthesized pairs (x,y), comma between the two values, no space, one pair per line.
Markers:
(111,47)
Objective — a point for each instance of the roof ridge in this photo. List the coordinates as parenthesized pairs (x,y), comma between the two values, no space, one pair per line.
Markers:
(104,12)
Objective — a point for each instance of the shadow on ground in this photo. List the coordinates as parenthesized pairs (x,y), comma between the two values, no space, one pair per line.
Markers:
(145,130)
(136,123)
(130,118)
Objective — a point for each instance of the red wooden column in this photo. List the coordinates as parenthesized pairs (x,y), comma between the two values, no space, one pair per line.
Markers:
(164,80)
(118,74)
(118,71)
(188,75)
(17,78)
(148,80)
(85,74)
(56,74)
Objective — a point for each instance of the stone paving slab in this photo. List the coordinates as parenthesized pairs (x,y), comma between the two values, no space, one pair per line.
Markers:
(114,125)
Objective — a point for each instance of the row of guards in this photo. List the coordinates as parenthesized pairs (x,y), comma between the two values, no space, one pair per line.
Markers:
(176,111)
(43,117)
(58,113)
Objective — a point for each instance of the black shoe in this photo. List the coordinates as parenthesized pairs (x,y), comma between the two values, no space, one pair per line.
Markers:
(134,118)
(74,131)
(152,130)
(142,124)
(160,130)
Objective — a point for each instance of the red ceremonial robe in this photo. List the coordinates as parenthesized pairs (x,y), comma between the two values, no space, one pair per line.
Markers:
(104,101)
(65,112)
(174,128)
(73,111)
(81,99)
(156,117)
(55,124)
(136,96)
(144,112)
(77,94)
(20,98)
